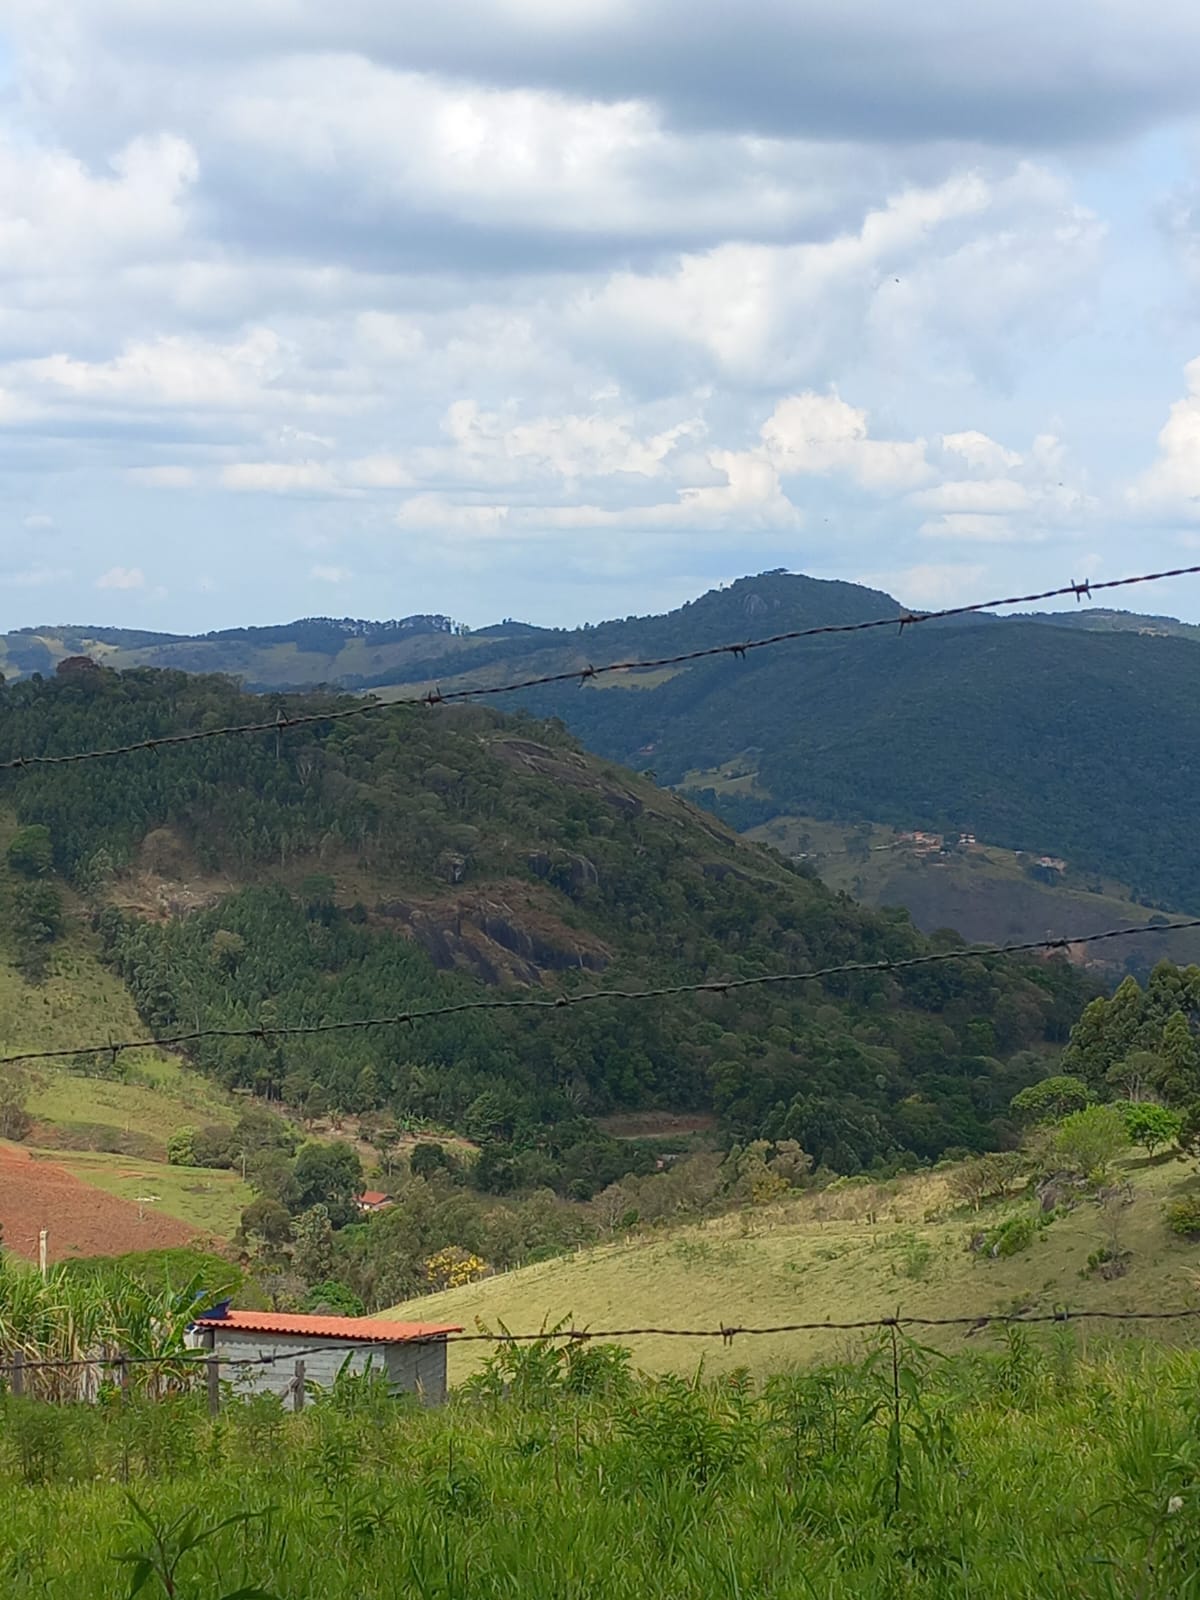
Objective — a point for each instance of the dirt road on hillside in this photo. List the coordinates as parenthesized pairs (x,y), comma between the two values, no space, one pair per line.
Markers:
(82,1221)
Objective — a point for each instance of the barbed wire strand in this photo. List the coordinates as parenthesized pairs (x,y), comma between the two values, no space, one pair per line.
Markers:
(718,986)
(726,1332)
(435,697)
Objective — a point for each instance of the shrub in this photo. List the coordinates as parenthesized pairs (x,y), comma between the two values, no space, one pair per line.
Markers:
(427,1159)
(213,1146)
(15,1120)
(1183,1217)
(990,1177)
(453,1267)
(1051,1100)
(30,852)
(1007,1238)
(1151,1126)
(1088,1141)
(333,1298)
(181,1148)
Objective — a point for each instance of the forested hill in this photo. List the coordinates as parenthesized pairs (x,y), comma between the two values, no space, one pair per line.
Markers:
(1072,736)
(408,858)
(1079,745)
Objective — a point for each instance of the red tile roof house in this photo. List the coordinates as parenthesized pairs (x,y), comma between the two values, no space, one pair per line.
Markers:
(412,1355)
(374,1200)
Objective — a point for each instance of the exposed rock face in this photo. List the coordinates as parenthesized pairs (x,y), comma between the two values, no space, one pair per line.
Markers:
(564,766)
(498,937)
(569,872)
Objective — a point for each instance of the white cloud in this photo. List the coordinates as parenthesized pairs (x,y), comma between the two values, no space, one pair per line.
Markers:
(438,513)
(1171,486)
(57,218)
(122,578)
(378,472)
(974,494)
(491,446)
(812,433)
(979,452)
(38,522)
(375,281)
(979,528)
(932,584)
(521,158)
(1075,72)
(324,574)
(961,271)
(171,370)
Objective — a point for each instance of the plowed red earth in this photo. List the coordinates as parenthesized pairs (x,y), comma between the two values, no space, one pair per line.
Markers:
(82,1221)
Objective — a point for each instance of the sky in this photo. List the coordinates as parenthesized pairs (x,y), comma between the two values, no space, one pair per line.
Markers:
(520,308)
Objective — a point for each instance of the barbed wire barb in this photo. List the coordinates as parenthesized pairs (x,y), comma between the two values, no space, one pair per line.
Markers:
(726,1332)
(435,697)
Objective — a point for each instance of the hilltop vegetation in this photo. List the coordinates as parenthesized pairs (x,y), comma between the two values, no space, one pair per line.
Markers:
(1034,738)
(1069,734)
(404,858)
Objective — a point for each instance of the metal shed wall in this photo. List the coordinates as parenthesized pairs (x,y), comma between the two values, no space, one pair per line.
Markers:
(414,1365)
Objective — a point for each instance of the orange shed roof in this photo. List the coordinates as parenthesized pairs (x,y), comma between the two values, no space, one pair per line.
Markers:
(370,1330)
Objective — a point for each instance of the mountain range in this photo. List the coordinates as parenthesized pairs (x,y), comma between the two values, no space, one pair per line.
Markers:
(1070,735)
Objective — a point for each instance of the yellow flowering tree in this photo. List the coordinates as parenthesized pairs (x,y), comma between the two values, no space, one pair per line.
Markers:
(452,1267)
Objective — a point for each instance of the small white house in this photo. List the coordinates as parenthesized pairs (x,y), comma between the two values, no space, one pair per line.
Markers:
(411,1355)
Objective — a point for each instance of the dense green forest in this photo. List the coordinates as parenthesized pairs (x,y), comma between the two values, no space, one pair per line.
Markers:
(398,859)
(1070,735)
(1080,744)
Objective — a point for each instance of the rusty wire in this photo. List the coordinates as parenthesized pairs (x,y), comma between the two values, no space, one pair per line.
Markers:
(718,986)
(726,1332)
(435,697)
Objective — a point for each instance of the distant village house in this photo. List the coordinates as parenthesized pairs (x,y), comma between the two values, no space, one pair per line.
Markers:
(372,1200)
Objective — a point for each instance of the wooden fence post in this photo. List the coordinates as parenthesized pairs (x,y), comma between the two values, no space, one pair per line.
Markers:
(212,1373)
(123,1377)
(298,1388)
(18,1372)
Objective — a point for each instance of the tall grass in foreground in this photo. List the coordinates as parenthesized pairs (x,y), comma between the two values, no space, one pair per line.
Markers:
(560,1476)
(68,1316)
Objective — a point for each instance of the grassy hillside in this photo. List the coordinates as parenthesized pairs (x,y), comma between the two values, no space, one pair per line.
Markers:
(413,858)
(208,1199)
(109,1133)
(986,893)
(838,1255)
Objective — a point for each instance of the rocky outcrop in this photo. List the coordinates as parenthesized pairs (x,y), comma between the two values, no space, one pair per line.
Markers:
(498,938)
(565,766)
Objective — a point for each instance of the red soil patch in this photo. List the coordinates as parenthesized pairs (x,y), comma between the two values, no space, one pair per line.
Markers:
(82,1221)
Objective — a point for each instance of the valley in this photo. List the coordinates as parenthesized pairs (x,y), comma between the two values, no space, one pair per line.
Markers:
(987,894)
(275,894)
